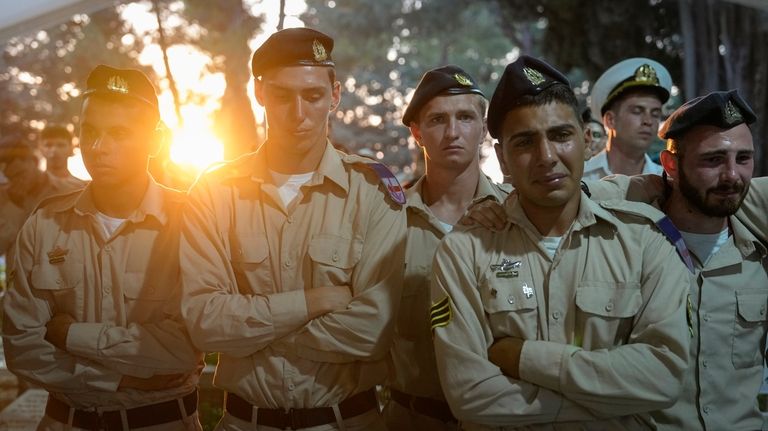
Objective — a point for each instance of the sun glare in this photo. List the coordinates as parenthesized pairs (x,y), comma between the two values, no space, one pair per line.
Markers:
(194,146)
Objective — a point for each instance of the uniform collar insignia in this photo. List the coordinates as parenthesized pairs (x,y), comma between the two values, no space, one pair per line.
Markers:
(117,84)
(57,255)
(534,76)
(318,51)
(463,79)
(731,114)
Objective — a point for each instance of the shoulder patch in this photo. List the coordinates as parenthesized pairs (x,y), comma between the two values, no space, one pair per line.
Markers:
(440,313)
(388,179)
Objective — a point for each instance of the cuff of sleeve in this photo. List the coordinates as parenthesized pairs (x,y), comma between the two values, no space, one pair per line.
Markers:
(83,339)
(541,363)
(289,311)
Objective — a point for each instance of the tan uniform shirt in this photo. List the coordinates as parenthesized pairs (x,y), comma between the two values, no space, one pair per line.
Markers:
(246,261)
(604,322)
(729,316)
(123,291)
(412,352)
(14,214)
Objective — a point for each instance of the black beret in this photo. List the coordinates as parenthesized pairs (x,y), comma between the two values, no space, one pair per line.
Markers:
(440,81)
(723,109)
(526,76)
(130,83)
(293,47)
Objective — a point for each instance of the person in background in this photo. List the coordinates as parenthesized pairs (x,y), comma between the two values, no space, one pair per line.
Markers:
(57,145)
(629,97)
(27,185)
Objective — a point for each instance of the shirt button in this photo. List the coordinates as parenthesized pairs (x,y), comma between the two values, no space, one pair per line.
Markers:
(704,363)
(291,386)
(107,289)
(287,264)
(706,317)
(335,257)
(58,281)
(706,409)
(556,315)
(609,306)
(108,248)
(289,220)
(511,299)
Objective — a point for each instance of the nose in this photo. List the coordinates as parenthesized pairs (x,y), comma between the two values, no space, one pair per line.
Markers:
(546,153)
(298,108)
(451,129)
(728,173)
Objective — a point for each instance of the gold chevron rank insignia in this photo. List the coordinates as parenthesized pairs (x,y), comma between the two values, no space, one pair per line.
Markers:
(440,314)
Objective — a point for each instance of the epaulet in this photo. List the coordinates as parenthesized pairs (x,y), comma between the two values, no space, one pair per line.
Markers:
(58,201)
(387,178)
(662,222)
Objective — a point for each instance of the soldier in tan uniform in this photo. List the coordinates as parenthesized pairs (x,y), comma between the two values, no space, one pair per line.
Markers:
(446,117)
(709,164)
(573,316)
(292,258)
(92,310)
(57,146)
(26,187)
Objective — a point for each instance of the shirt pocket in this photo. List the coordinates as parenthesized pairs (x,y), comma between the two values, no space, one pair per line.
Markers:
(62,285)
(147,298)
(333,258)
(511,306)
(606,313)
(413,314)
(252,266)
(749,327)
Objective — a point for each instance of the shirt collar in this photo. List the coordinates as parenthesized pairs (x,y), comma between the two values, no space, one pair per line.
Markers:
(153,204)
(330,167)
(744,240)
(588,214)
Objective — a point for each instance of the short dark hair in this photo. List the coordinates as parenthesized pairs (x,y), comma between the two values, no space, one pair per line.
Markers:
(56,131)
(557,93)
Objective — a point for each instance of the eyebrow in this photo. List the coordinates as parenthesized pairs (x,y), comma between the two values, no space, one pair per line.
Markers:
(723,152)
(556,128)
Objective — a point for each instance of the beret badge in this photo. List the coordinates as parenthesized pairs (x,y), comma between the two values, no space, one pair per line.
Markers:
(463,79)
(534,76)
(117,84)
(731,114)
(318,51)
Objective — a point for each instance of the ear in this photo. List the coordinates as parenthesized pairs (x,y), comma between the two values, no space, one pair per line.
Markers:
(609,119)
(587,143)
(500,156)
(258,90)
(335,95)
(670,162)
(415,132)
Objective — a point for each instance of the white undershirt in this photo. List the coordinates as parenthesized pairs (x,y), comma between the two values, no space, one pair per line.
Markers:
(288,185)
(110,224)
(705,245)
(446,226)
(551,243)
